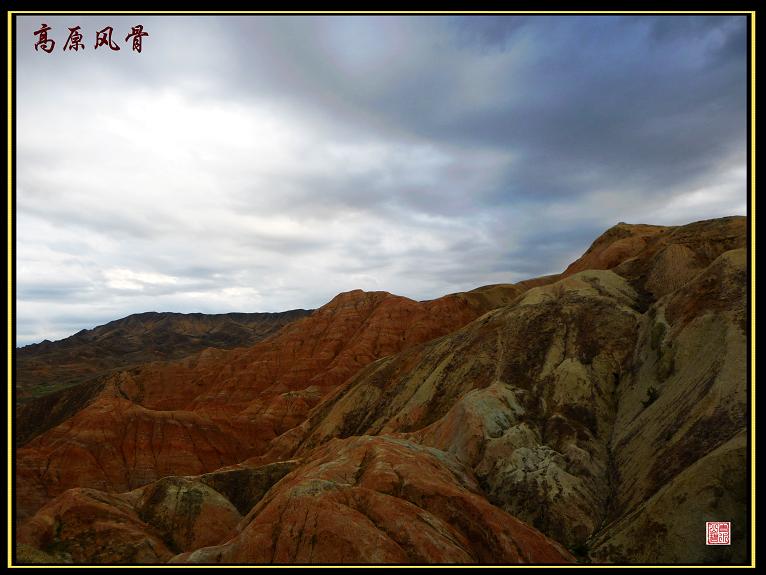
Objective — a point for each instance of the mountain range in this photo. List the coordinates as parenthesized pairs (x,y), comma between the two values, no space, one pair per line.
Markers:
(600,415)
(46,369)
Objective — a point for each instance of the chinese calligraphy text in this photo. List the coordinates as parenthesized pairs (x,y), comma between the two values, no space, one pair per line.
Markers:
(75,39)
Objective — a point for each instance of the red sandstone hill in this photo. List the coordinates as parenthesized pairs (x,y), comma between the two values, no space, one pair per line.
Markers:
(219,407)
(501,425)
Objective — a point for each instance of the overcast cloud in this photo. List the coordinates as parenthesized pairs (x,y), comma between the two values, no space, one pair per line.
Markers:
(268,163)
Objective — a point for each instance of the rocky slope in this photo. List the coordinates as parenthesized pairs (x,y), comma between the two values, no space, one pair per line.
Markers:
(524,396)
(363,500)
(219,407)
(509,424)
(589,403)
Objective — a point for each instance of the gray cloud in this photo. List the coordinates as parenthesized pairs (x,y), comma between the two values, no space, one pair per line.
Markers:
(266,163)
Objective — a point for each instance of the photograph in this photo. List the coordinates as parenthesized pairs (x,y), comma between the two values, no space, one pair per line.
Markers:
(398,289)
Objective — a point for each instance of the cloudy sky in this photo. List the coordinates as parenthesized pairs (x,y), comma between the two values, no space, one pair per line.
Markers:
(267,163)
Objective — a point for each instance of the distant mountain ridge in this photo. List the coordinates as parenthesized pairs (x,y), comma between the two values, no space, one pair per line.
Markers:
(135,339)
(54,379)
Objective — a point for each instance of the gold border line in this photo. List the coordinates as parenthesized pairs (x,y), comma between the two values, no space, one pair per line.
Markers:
(374,13)
(11,251)
(10,268)
(752,285)
(361,566)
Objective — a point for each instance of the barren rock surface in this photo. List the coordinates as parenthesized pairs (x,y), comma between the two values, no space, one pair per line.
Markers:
(219,407)
(559,419)
(380,500)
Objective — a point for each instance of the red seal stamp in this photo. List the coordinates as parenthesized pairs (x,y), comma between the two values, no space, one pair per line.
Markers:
(718,532)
